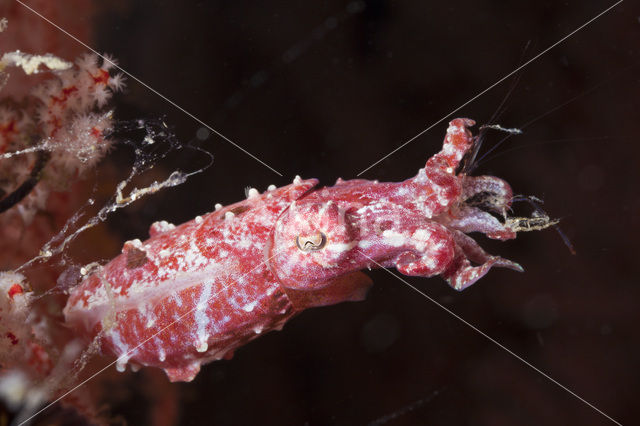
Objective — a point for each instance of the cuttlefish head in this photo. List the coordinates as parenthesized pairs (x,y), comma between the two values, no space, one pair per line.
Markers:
(313,253)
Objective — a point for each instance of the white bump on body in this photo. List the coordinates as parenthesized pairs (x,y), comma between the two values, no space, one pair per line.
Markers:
(252,193)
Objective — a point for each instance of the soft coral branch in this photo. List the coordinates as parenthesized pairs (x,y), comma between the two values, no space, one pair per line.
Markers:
(63,115)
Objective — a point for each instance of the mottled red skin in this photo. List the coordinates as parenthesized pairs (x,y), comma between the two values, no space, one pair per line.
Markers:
(195,293)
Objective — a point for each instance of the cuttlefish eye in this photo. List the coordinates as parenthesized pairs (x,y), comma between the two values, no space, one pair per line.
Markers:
(311,242)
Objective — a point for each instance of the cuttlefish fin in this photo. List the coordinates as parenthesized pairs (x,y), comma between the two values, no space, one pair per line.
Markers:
(351,287)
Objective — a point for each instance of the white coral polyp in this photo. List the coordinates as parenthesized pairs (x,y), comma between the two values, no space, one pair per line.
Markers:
(33,64)
(82,145)
(68,114)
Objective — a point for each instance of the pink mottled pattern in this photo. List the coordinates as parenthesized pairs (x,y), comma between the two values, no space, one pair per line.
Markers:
(205,281)
(194,293)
